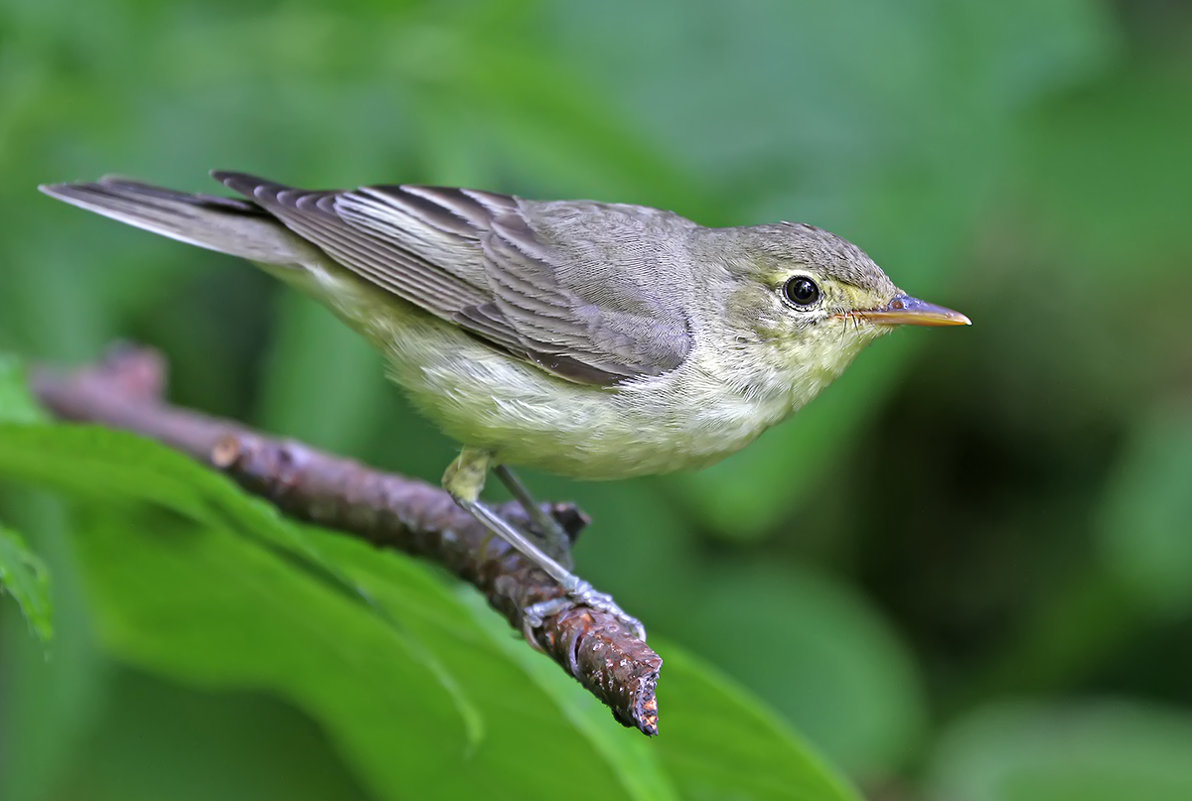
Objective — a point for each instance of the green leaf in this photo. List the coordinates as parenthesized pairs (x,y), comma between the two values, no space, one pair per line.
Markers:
(99,462)
(104,463)
(636,755)
(534,713)
(208,607)
(208,594)
(25,578)
(1096,751)
(833,667)
(718,742)
(156,739)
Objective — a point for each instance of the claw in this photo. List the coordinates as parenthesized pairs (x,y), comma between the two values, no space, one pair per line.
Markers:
(581,594)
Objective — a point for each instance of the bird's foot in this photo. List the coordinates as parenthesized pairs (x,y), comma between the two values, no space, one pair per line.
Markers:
(581,593)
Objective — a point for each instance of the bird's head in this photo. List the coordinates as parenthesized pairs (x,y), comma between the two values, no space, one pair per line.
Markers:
(803,302)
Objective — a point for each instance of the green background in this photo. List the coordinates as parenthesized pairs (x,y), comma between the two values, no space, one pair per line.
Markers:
(964,573)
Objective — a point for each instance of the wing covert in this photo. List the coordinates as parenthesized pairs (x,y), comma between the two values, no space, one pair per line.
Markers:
(481,261)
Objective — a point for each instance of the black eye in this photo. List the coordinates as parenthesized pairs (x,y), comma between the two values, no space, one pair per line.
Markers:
(801,291)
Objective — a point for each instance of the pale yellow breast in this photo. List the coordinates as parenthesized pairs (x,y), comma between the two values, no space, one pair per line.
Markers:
(686,419)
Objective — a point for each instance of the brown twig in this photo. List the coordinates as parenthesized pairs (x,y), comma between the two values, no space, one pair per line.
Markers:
(599,651)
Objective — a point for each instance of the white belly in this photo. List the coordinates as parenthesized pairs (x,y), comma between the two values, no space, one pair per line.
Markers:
(527,417)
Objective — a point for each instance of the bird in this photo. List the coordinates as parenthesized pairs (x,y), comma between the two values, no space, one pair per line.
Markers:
(593,340)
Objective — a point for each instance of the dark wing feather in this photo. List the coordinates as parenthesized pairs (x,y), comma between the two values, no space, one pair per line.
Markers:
(594,281)
(314,216)
(474,259)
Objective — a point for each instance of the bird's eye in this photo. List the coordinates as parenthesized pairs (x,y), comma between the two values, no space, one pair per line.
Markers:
(801,291)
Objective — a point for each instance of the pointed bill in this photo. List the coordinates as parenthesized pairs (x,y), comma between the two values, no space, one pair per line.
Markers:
(905,310)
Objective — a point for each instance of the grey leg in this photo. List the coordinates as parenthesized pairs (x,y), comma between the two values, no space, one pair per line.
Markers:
(557,543)
(464,480)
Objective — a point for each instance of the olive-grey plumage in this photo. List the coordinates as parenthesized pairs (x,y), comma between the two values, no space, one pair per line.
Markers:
(527,277)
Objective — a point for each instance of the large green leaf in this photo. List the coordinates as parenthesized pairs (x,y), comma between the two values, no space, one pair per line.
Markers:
(534,713)
(715,740)
(724,744)
(209,607)
(100,462)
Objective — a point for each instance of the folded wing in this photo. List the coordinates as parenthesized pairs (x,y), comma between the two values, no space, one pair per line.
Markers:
(570,288)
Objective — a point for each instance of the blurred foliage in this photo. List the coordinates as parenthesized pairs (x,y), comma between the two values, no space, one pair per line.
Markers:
(1110,750)
(192,579)
(938,572)
(26,579)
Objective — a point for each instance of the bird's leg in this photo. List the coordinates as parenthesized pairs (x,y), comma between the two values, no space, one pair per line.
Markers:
(554,538)
(464,480)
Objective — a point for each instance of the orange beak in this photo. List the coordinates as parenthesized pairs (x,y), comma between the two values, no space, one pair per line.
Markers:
(905,310)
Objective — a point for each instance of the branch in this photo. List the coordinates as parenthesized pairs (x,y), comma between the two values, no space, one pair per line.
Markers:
(125,391)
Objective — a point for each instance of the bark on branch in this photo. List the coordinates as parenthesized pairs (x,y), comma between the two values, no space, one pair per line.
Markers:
(125,391)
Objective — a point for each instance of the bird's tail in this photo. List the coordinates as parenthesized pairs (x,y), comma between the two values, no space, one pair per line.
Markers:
(227,225)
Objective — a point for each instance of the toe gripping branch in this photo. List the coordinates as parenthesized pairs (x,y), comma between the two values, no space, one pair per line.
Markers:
(597,649)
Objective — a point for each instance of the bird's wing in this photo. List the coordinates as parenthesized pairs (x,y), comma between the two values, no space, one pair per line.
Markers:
(487,263)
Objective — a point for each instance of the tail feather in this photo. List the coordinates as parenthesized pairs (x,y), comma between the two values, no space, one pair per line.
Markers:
(227,225)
